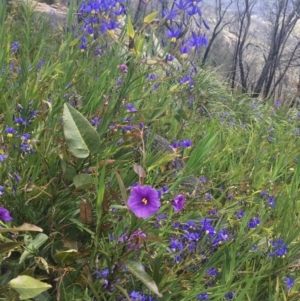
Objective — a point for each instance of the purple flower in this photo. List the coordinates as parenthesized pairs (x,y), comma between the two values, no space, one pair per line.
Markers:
(229,296)
(207,196)
(15,46)
(123,68)
(289,281)
(2,190)
(278,248)
(2,157)
(130,108)
(143,201)
(212,272)
(186,143)
(202,296)
(203,179)
(240,214)
(271,201)
(95,121)
(173,33)
(253,223)
(5,215)
(178,203)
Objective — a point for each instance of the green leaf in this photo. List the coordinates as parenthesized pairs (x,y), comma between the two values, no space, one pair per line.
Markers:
(4,247)
(28,287)
(67,257)
(25,227)
(130,29)
(82,139)
(149,18)
(83,181)
(68,170)
(72,293)
(39,240)
(137,270)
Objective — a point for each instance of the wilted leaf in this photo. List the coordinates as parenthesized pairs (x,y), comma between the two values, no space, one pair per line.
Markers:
(42,263)
(4,247)
(139,170)
(66,257)
(138,271)
(86,212)
(106,162)
(28,287)
(25,227)
(82,139)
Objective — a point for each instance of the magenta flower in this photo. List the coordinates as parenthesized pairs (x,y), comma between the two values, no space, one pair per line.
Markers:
(143,201)
(178,203)
(5,215)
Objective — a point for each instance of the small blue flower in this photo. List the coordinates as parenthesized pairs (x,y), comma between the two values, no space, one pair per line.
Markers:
(240,214)
(278,248)
(229,296)
(2,157)
(289,281)
(202,296)
(212,272)
(253,223)
(271,201)
(95,121)
(15,46)
(130,108)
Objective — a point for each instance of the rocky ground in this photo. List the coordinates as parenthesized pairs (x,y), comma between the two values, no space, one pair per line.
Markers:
(56,12)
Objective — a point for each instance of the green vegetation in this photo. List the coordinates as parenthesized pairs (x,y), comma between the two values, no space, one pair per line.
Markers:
(72,148)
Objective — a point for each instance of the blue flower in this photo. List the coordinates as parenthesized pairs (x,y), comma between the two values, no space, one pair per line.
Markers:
(5,215)
(240,214)
(212,272)
(15,46)
(278,248)
(186,143)
(2,157)
(253,223)
(178,203)
(130,108)
(289,281)
(229,296)
(173,33)
(10,131)
(271,201)
(202,296)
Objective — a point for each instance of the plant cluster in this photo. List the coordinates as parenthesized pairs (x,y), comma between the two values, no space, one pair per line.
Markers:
(90,210)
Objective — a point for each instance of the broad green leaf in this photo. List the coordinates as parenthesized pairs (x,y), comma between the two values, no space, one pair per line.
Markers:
(138,271)
(28,287)
(149,18)
(25,227)
(4,247)
(130,29)
(82,139)
(67,257)
(83,181)
(39,240)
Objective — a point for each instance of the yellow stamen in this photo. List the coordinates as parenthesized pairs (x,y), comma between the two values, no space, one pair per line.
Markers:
(145,201)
